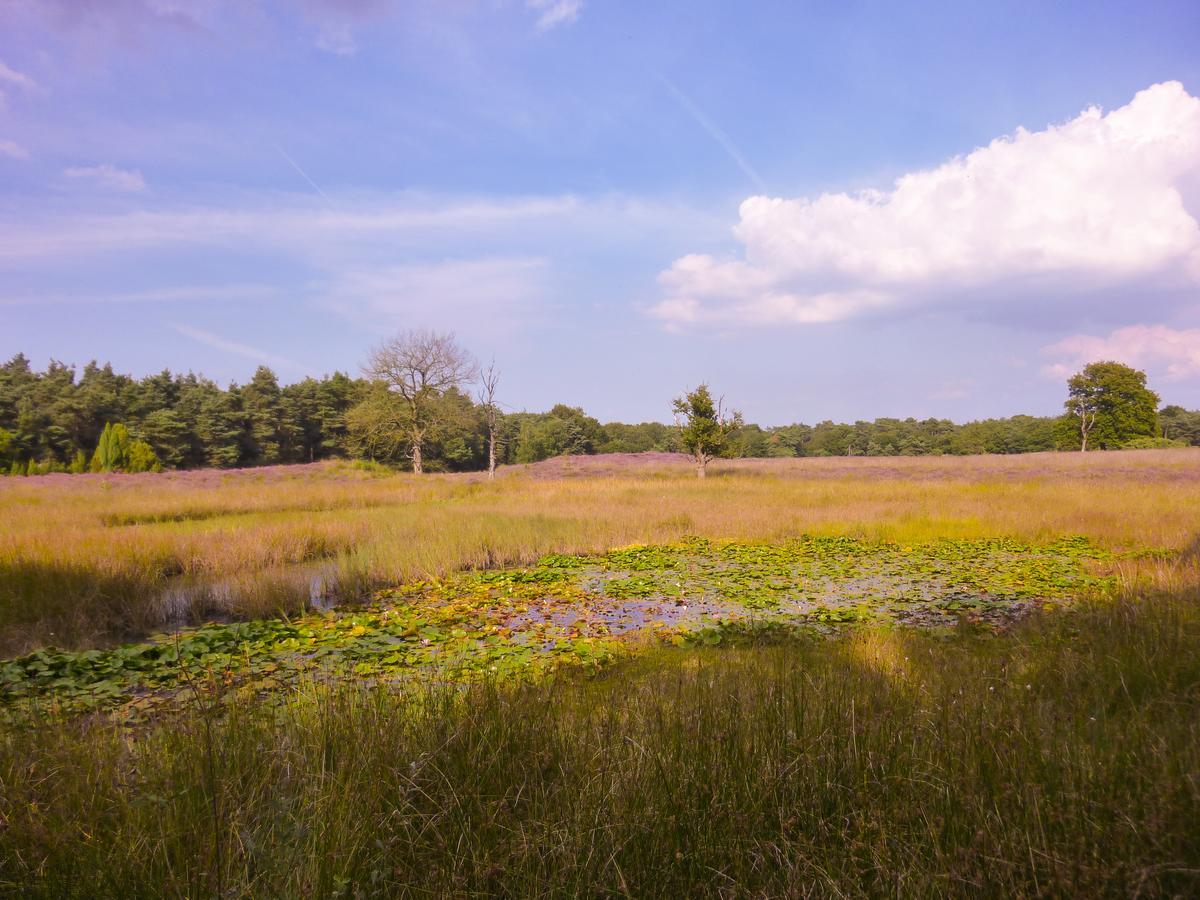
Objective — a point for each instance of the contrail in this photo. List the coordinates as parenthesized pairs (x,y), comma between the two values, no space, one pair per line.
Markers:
(316,187)
(714,132)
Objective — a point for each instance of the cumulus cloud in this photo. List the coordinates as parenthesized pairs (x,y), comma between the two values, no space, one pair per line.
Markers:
(1090,204)
(1173,354)
(13,150)
(109,176)
(552,13)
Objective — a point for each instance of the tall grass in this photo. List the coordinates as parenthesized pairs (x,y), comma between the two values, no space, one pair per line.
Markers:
(1058,760)
(90,559)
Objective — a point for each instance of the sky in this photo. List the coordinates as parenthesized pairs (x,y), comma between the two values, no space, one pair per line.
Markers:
(826,210)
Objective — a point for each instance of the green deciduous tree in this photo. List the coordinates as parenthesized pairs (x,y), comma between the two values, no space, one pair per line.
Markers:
(704,427)
(1108,404)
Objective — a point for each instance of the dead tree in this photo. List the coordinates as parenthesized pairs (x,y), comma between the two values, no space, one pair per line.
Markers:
(419,367)
(489,379)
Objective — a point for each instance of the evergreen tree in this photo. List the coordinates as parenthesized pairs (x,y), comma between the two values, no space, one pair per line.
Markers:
(112,453)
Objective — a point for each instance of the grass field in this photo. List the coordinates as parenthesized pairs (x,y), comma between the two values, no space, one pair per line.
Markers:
(601,676)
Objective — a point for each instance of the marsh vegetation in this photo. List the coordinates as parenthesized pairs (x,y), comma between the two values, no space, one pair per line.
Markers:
(604,676)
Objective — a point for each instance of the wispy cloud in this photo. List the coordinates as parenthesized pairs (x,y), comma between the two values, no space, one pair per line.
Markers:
(337,39)
(497,293)
(19,81)
(295,165)
(237,349)
(292,224)
(13,150)
(715,132)
(192,293)
(552,13)
(108,176)
(9,75)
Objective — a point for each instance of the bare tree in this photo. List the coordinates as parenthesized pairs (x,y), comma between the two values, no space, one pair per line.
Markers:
(489,379)
(1086,414)
(419,367)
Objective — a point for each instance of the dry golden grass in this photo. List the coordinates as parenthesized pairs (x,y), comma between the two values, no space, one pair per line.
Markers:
(87,558)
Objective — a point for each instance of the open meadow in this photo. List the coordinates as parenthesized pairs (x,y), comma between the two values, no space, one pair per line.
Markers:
(604,676)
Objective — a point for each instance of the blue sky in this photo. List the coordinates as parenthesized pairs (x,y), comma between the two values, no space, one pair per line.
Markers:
(827,210)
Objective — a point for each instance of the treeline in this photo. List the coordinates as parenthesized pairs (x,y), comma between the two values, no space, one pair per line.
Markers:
(54,420)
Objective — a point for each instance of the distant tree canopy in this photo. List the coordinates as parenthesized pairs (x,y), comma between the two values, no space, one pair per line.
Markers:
(50,418)
(54,421)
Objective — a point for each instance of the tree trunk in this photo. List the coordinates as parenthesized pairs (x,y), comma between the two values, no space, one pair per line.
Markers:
(416,457)
(701,466)
(491,453)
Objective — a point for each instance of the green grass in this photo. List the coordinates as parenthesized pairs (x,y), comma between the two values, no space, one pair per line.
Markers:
(1058,759)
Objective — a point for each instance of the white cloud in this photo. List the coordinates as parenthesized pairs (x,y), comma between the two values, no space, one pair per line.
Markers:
(13,150)
(109,176)
(236,348)
(1092,203)
(1173,354)
(551,13)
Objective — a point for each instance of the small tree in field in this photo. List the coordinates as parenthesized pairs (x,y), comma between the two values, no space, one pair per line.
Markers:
(418,367)
(1111,405)
(704,427)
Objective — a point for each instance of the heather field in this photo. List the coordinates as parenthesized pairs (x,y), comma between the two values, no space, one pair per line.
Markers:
(602,676)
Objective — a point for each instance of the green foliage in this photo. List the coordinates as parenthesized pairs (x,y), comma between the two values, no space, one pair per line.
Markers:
(112,451)
(79,463)
(1179,424)
(648,436)
(142,458)
(1152,443)
(563,431)
(1108,405)
(704,428)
